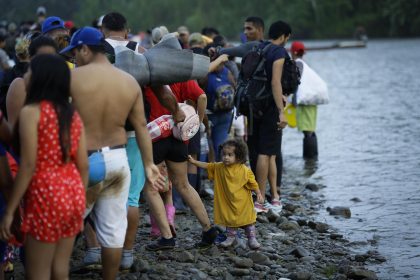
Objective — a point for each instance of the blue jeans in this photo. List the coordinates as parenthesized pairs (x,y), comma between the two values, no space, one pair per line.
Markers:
(219,130)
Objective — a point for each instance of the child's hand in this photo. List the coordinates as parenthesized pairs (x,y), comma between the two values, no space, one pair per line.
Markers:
(260,198)
(190,159)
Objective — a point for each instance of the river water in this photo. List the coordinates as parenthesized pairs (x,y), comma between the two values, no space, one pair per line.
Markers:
(369,146)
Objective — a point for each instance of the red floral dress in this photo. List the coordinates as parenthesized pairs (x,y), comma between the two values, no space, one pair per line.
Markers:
(54,202)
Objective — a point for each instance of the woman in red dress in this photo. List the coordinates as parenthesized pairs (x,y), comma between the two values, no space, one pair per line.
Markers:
(53,171)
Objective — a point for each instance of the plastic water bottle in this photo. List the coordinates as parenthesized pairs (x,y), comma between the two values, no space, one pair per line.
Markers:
(161,127)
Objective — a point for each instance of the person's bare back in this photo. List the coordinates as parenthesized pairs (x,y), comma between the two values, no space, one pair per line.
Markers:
(104,97)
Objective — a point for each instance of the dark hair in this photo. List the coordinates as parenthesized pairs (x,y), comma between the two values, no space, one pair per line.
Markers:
(241,150)
(50,81)
(278,29)
(209,31)
(41,41)
(219,40)
(257,21)
(114,21)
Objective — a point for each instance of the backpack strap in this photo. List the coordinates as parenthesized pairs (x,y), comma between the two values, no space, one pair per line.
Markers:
(266,48)
(132,45)
(109,49)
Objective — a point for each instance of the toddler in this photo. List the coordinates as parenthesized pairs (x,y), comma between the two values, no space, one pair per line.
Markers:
(233,183)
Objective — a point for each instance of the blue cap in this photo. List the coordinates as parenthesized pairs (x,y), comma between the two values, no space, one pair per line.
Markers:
(52,23)
(84,36)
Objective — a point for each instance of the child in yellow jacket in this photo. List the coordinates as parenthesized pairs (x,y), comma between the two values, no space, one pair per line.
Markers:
(233,184)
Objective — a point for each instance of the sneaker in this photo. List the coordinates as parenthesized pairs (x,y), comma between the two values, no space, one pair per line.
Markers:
(260,208)
(208,238)
(162,244)
(127,260)
(92,259)
(276,205)
(220,238)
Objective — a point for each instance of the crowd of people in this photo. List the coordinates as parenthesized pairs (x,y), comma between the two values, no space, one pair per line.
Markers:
(76,157)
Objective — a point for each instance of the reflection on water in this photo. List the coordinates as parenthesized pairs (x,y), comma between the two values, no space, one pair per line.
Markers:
(369,138)
(310,167)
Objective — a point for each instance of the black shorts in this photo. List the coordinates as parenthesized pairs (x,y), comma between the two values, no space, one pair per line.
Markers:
(170,149)
(194,144)
(266,137)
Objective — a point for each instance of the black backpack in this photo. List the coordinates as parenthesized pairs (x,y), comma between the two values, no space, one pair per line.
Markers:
(290,78)
(253,90)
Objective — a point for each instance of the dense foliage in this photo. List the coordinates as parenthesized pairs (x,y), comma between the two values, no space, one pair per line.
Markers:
(308,18)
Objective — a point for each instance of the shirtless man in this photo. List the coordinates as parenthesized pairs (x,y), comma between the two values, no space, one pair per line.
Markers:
(115,30)
(106,97)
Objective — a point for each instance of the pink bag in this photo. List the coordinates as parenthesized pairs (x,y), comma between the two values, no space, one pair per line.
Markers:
(189,127)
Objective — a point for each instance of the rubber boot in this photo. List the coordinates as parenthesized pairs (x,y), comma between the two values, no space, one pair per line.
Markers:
(231,237)
(155,231)
(310,146)
(170,215)
(252,238)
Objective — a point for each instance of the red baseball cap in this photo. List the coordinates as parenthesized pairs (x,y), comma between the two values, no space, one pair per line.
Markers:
(297,47)
(69,24)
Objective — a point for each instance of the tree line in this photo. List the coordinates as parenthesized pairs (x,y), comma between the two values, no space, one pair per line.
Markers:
(310,19)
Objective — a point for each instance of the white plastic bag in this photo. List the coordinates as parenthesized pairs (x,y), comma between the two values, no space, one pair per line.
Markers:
(312,89)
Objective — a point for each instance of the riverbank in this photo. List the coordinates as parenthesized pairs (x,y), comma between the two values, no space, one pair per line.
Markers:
(294,245)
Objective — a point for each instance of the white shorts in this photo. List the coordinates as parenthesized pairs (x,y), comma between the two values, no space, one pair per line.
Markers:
(107,200)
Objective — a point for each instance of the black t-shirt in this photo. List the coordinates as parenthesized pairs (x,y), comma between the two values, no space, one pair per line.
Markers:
(274,53)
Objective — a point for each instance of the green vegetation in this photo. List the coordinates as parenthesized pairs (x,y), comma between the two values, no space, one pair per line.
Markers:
(329,271)
(308,18)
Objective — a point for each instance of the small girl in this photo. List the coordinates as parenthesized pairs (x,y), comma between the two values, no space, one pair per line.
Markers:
(233,183)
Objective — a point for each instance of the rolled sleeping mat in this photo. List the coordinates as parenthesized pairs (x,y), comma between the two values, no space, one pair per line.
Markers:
(165,63)
(134,64)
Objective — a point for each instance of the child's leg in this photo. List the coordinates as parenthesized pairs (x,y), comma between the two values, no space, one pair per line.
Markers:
(61,262)
(252,237)
(231,236)
(38,267)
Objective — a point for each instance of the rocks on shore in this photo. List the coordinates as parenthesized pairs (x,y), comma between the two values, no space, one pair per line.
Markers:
(294,246)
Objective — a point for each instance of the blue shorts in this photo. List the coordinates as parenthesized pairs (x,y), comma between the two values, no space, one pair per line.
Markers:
(138,177)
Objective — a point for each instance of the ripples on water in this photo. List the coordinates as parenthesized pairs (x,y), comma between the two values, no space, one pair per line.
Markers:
(369,145)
